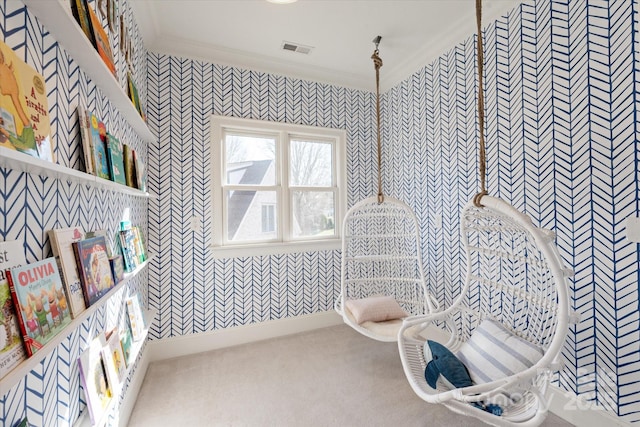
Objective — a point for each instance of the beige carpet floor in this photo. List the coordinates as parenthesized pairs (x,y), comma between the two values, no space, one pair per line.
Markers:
(327,377)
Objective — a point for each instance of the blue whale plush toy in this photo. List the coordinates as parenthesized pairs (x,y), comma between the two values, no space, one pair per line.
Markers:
(441,361)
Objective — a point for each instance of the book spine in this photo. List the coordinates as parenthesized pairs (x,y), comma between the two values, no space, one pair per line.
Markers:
(26,339)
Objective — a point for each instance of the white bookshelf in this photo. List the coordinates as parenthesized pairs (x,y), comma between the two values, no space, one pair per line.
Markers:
(16,160)
(136,346)
(57,18)
(23,369)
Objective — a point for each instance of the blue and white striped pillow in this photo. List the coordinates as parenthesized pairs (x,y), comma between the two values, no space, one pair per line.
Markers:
(493,352)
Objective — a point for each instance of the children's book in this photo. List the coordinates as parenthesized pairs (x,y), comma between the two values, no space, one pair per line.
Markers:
(116,161)
(34,290)
(125,341)
(87,141)
(93,376)
(102,42)
(93,268)
(136,319)
(129,166)
(62,247)
(80,11)
(139,245)
(127,245)
(114,360)
(11,347)
(24,110)
(98,140)
(117,268)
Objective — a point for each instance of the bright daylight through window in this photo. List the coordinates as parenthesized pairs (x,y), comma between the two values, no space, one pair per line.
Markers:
(276,185)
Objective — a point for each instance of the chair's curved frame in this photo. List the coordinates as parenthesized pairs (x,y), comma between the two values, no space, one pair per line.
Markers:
(381,255)
(545,310)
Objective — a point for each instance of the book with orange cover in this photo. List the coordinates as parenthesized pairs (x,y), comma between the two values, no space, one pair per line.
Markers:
(102,42)
(24,111)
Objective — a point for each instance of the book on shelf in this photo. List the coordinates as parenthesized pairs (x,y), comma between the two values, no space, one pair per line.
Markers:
(136,319)
(93,268)
(62,240)
(98,138)
(115,365)
(138,242)
(116,161)
(84,122)
(93,376)
(12,350)
(80,11)
(128,247)
(24,110)
(133,95)
(129,165)
(125,341)
(34,290)
(140,172)
(117,268)
(103,45)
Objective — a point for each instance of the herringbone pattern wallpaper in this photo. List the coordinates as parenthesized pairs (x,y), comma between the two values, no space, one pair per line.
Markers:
(561,79)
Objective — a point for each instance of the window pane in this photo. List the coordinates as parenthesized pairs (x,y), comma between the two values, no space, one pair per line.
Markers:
(313,213)
(250,160)
(246,218)
(311,163)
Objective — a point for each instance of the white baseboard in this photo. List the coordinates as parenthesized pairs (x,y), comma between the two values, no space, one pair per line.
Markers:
(580,412)
(169,348)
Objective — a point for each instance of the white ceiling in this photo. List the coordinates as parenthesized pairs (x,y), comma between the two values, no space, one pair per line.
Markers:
(250,33)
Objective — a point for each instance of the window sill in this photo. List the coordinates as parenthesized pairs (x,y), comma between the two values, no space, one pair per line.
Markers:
(235,251)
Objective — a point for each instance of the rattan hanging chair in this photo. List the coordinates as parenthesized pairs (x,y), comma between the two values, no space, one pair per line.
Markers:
(504,332)
(381,258)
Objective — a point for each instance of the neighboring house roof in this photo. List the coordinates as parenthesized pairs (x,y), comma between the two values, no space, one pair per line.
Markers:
(251,173)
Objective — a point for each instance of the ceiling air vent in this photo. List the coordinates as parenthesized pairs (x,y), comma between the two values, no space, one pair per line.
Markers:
(296,47)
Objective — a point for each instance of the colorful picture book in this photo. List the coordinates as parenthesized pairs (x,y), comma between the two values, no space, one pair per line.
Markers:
(102,42)
(24,110)
(128,247)
(35,290)
(136,319)
(116,161)
(116,366)
(84,122)
(93,268)
(93,376)
(125,341)
(11,347)
(80,11)
(98,137)
(62,247)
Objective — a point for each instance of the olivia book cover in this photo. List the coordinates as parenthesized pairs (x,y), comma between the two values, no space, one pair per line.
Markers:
(11,347)
(24,110)
(35,289)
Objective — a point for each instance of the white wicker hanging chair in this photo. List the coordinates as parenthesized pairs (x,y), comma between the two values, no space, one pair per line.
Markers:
(514,277)
(508,324)
(381,254)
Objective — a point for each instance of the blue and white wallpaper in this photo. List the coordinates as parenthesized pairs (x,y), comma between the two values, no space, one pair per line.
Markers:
(561,87)
(561,81)
(51,394)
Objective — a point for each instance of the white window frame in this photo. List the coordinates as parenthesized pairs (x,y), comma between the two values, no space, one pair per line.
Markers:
(285,242)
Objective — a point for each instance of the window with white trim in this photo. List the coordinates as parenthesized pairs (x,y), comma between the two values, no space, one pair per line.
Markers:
(276,186)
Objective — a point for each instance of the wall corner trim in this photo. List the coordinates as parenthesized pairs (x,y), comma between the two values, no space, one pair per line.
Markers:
(579,411)
(185,345)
